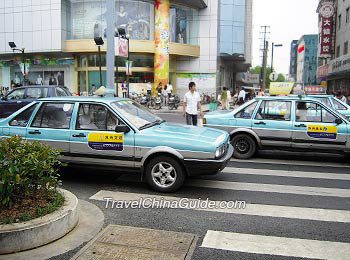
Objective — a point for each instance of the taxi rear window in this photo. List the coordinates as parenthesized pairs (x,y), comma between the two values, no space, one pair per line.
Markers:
(247,112)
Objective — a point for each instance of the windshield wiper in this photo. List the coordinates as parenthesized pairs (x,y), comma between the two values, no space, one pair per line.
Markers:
(157,122)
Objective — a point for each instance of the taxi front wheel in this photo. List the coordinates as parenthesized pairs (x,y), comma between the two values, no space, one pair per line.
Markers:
(244,146)
(164,174)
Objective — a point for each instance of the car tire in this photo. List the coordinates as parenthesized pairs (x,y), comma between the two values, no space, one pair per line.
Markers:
(158,169)
(244,146)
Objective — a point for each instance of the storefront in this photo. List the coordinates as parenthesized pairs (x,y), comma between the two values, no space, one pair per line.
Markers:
(339,75)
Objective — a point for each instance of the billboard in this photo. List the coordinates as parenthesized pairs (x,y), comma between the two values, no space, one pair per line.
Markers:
(286,88)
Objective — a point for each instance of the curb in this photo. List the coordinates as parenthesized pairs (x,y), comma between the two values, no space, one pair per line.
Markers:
(91,220)
(40,231)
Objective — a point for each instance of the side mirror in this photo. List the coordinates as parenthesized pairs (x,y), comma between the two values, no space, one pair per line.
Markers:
(338,121)
(122,129)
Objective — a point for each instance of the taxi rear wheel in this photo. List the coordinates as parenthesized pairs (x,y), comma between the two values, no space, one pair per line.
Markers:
(164,174)
(244,146)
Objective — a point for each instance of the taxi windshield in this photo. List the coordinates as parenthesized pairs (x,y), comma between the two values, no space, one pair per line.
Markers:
(136,114)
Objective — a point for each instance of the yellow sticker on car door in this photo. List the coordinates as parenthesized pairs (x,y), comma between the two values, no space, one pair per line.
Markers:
(322,131)
(106,141)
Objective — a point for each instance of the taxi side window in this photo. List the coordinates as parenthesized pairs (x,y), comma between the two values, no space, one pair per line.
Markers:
(246,113)
(22,119)
(16,94)
(312,112)
(338,105)
(96,117)
(274,110)
(54,115)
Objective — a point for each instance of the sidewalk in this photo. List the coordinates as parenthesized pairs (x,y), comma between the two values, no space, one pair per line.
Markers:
(205,109)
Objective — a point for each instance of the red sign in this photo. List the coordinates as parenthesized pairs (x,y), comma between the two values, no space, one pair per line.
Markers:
(315,89)
(301,49)
(326,12)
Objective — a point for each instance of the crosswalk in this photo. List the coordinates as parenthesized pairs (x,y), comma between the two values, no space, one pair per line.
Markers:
(314,246)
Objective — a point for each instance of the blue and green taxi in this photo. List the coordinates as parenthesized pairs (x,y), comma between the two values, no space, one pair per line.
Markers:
(284,123)
(121,134)
(334,103)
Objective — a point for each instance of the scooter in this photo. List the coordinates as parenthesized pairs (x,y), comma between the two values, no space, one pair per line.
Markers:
(174,102)
(145,99)
(155,103)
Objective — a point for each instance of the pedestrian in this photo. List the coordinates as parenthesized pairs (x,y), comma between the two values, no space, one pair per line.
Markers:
(93,89)
(170,89)
(125,89)
(165,95)
(149,88)
(160,88)
(191,105)
(225,97)
(241,97)
(52,80)
(261,93)
(343,98)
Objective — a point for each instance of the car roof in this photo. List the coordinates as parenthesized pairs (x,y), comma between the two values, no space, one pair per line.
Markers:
(319,95)
(40,86)
(290,97)
(84,99)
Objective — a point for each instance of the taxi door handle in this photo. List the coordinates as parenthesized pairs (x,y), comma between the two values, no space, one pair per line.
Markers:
(80,135)
(260,123)
(36,132)
(301,125)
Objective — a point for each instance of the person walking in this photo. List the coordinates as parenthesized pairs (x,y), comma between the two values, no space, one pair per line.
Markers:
(191,105)
(225,99)
(160,88)
(170,89)
(241,97)
(165,95)
(125,89)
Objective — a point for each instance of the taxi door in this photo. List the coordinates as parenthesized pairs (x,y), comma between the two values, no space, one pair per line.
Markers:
(94,139)
(273,124)
(316,127)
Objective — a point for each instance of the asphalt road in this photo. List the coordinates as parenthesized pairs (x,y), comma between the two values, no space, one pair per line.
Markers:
(297,205)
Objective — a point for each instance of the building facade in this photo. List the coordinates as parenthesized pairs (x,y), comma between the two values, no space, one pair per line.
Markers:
(207,41)
(307,59)
(293,60)
(339,64)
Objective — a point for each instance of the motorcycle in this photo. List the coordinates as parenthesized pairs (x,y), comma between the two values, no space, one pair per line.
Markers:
(174,102)
(145,99)
(155,103)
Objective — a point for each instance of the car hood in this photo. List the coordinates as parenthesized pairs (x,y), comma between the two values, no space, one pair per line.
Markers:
(187,137)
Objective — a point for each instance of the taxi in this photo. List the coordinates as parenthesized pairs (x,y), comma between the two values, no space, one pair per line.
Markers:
(121,134)
(284,123)
(334,103)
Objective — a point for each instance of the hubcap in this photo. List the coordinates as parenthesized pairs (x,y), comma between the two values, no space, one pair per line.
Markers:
(163,174)
(242,146)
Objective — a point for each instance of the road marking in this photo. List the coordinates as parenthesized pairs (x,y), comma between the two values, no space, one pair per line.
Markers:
(287,189)
(315,214)
(292,162)
(283,173)
(270,245)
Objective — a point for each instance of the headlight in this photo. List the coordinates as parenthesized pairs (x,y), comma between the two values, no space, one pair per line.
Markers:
(204,121)
(218,152)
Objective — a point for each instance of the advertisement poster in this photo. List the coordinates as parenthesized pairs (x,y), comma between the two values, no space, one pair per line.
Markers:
(89,19)
(205,83)
(286,88)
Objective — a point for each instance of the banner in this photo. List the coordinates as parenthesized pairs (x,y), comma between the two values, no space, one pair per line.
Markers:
(121,47)
(315,89)
(286,88)
(326,11)
(128,67)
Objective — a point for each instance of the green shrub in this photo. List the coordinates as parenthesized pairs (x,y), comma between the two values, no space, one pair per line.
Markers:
(26,168)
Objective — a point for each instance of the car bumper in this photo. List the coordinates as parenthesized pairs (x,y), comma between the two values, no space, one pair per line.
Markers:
(195,167)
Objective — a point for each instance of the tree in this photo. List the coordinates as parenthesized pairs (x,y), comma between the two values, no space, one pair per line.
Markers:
(257,70)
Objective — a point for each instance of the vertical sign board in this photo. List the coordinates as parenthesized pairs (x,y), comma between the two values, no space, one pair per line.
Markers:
(326,12)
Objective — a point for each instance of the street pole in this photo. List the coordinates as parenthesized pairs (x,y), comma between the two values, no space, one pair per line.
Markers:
(117,71)
(273,45)
(264,65)
(99,61)
(110,17)
(24,67)
(128,76)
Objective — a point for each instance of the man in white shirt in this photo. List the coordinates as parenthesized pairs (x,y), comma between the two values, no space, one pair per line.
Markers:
(241,97)
(191,105)
(170,88)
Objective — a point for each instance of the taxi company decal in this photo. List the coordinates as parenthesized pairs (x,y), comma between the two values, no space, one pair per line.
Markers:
(106,141)
(322,131)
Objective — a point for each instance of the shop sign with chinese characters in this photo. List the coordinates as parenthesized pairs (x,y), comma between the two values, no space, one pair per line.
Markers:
(326,12)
